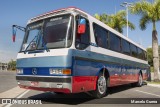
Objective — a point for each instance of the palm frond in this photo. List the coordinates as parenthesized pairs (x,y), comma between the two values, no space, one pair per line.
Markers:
(116,21)
(131,25)
(157,8)
(97,16)
(141,7)
(144,21)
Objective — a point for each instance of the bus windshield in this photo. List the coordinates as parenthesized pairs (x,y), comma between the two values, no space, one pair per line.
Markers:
(55,32)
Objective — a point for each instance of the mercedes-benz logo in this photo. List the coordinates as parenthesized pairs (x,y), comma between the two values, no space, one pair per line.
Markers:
(34,71)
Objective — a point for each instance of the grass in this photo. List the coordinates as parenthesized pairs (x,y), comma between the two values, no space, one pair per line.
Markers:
(151,68)
(153,82)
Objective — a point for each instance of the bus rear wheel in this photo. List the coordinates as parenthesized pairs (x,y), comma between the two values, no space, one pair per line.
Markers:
(140,81)
(101,87)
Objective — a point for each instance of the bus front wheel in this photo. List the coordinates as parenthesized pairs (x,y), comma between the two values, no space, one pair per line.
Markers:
(101,87)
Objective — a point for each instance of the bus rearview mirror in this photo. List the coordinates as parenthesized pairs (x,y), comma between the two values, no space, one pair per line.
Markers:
(14,30)
(81,26)
(13,33)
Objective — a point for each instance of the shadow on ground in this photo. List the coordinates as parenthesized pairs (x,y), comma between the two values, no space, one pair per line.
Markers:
(74,99)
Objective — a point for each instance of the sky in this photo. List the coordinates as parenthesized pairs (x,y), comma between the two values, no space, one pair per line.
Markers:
(20,11)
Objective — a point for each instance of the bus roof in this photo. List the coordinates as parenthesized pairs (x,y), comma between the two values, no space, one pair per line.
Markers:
(75,9)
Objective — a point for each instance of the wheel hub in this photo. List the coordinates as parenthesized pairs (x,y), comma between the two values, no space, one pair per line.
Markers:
(102,85)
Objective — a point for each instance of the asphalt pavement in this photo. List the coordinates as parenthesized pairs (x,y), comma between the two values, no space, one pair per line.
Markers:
(7,80)
(120,96)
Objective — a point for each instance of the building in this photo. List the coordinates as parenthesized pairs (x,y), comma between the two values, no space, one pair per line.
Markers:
(3,66)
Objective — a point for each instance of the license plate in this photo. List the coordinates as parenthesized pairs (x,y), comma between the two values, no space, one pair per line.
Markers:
(34,83)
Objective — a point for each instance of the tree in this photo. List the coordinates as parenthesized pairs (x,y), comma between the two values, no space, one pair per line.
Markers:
(150,13)
(117,21)
(12,64)
(150,56)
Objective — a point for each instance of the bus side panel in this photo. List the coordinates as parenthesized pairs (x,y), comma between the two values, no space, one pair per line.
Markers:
(145,73)
(87,65)
(83,83)
(85,74)
(83,78)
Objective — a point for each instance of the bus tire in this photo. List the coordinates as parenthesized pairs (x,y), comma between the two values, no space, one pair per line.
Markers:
(101,87)
(140,80)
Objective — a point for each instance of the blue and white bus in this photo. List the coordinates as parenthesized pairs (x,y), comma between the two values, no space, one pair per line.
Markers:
(69,51)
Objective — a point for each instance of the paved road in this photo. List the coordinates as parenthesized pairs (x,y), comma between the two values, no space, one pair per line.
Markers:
(82,99)
(7,80)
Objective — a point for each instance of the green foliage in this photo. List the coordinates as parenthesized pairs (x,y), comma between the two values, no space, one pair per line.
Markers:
(151,69)
(150,56)
(150,12)
(12,65)
(116,21)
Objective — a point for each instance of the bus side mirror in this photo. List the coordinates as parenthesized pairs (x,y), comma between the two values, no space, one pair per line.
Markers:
(14,30)
(13,33)
(81,26)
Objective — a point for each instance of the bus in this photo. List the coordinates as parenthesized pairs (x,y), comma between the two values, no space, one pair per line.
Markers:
(70,51)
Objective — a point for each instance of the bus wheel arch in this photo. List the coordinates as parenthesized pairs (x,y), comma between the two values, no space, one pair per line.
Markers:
(140,72)
(140,79)
(102,78)
(139,83)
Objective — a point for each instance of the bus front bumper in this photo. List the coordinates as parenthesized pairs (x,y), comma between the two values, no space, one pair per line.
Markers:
(46,83)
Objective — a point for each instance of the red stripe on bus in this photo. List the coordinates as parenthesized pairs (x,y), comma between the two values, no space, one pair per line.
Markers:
(83,83)
(63,90)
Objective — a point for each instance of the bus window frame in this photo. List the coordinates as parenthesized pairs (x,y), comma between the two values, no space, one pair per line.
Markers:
(87,21)
(107,36)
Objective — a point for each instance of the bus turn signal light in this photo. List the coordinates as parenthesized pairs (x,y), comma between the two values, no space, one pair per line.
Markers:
(67,71)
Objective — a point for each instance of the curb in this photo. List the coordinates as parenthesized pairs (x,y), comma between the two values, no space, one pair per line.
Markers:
(154,85)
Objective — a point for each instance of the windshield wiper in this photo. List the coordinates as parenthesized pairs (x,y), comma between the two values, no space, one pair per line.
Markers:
(30,44)
(43,42)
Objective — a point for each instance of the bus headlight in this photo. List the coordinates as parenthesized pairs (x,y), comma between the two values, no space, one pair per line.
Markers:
(19,71)
(60,71)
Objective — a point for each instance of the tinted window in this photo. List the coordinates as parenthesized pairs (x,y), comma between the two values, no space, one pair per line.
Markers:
(83,40)
(133,50)
(145,55)
(56,31)
(115,42)
(125,47)
(101,36)
(140,54)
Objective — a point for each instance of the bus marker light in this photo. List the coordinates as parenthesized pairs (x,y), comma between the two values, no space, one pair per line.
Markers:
(67,71)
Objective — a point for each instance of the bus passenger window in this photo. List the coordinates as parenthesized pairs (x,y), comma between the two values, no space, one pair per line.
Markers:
(140,53)
(101,36)
(125,47)
(134,50)
(82,40)
(115,42)
(145,55)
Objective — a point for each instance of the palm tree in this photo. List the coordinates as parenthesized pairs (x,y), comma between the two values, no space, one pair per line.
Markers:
(150,13)
(116,21)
